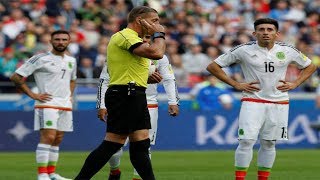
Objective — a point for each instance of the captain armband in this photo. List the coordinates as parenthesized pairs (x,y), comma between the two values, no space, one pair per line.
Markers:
(158,35)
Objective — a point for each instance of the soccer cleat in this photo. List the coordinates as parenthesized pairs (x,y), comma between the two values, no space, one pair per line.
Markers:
(114,176)
(43,176)
(55,176)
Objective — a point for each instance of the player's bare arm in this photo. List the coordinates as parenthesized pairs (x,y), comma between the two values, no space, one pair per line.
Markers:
(72,86)
(305,74)
(173,110)
(20,83)
(217,71)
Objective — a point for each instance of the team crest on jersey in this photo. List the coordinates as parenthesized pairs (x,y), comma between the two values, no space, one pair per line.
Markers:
(304,57)
(241,132)
(280,55)
(49,123)
(70,65)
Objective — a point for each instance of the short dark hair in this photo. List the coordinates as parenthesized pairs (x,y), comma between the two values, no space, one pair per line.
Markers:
(266,21)
(139,10)
(60,32)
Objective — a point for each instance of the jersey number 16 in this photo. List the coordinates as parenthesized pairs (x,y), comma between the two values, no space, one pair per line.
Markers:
(269,66)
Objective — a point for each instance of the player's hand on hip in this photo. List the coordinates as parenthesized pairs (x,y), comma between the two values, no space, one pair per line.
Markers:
(102,113)
(173,110)
(154,78)
(286,86)
(248,87)
(42,97)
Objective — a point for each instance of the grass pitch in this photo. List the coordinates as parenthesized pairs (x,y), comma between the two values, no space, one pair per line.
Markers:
(173,165)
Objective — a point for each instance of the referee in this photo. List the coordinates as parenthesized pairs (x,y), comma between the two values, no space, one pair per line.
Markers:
(128,116)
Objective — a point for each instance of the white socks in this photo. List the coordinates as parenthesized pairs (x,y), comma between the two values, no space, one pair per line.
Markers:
(244,153)
(42,154)
(54,154)
(266,153)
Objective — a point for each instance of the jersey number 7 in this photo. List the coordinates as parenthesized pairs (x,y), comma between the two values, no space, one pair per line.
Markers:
(63,72)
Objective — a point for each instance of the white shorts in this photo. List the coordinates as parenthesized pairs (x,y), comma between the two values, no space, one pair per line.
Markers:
(48,118)
(269,121)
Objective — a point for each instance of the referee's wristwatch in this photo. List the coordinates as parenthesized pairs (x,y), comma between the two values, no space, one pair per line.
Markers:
(158,35)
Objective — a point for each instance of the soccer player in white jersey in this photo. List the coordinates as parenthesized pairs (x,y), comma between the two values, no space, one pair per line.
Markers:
(164,71)
(265,101)
(55,76)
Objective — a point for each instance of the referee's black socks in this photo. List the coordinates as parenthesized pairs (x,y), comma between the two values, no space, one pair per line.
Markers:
(139,156)
(97,159)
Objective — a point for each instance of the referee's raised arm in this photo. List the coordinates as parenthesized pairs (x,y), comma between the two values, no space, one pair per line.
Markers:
(154,50)
(148,24)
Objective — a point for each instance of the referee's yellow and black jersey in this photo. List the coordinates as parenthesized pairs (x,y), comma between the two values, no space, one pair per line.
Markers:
(123,65)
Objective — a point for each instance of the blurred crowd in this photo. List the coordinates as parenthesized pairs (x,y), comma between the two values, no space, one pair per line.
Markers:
(197,32)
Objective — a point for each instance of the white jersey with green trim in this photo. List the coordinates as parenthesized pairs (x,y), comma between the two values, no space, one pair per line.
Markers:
(267,67)
(52,75)
(164,68)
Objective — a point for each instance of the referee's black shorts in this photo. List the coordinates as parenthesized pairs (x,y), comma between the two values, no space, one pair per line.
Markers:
(126,114)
